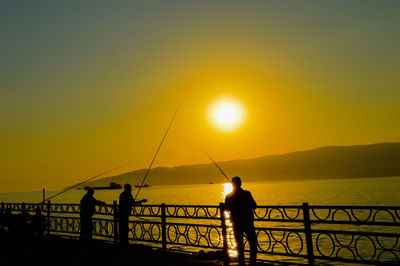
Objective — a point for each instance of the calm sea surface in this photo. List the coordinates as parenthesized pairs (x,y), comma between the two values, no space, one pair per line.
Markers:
(351,191)
(384,191)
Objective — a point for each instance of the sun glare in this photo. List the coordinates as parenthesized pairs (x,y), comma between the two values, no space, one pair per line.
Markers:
(227,189)
(227,114)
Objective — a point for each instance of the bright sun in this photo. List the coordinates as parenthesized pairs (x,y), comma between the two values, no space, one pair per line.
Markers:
(227,114)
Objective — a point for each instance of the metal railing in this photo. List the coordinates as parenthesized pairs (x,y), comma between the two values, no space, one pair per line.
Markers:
(294,234)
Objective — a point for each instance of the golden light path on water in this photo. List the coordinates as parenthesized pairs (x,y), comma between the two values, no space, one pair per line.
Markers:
(232,251)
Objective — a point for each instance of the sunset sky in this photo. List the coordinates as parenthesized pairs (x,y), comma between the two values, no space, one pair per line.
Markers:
(89,85)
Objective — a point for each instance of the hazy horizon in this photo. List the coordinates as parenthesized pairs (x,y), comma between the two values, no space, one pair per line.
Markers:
(361,158)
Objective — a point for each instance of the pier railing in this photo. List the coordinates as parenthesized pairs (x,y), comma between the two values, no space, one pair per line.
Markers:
(304,234)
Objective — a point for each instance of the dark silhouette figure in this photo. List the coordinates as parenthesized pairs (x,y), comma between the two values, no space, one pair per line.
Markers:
(88,203)
(240,204)
(9,222)
(38,223)
(22,221)
(2,216)
(126,202)
(24,212)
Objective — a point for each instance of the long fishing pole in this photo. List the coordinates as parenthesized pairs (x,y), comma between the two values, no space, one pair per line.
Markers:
(87,180)
(159,146)
(216,165)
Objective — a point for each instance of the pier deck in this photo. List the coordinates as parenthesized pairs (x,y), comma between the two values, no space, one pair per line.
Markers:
(61,251)
(56,250)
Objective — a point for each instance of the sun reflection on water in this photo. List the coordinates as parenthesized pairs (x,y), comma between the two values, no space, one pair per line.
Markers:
(232,251)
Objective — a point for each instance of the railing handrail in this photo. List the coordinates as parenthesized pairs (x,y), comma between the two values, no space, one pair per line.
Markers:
(301,218)
(373,207)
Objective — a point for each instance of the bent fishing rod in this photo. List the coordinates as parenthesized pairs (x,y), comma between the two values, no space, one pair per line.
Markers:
(118,167)
(87,180)
(216,165)
(159,146)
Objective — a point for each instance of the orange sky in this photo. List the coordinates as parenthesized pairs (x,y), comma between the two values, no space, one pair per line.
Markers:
(86,89)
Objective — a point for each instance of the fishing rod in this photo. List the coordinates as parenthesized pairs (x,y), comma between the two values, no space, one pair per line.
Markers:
(216,165)
(87,180)
(118,167)
(159,146)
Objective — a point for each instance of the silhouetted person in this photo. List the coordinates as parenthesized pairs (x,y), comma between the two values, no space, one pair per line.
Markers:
(240,204)
(126,202)
(88,203)
(24,212)
(2,215)
(22,221)
(9,220)
(38,223)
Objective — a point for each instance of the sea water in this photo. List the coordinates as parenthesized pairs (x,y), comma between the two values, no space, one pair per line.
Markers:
(382,191)
(350,191)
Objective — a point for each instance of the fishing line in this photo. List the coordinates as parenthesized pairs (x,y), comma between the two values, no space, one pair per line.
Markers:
(87,180)
(159,146)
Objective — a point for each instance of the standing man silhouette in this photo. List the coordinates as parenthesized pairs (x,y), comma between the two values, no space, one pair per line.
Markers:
(126,202)
(38,223)
(88,203)
(240,204)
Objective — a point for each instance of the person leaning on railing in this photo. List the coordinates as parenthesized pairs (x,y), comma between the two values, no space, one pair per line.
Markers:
(240,204)
(88,204)
(126,202)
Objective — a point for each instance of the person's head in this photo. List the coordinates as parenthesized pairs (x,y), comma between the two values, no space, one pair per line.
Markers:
(127,187)
(236,182)
(38,210)
(23,206)
(90,191)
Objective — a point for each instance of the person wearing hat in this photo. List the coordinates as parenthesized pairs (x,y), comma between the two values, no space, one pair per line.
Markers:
(240,204)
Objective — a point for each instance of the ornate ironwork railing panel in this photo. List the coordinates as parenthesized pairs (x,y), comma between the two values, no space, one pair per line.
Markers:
(147,210)
(206,236)
(354,234)
(103,228)
(283,242)
(64,208)
(279,214)
(67,225)
(193,212)
(363,215)
(145,231)
(361,247)
(16,207)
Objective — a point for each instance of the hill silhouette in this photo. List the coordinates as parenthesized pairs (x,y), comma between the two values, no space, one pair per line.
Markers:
(375,160)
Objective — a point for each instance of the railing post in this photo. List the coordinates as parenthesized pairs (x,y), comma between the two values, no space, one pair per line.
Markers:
(308,233)
(163,227)
(115,214)
(224,235)
(48,217)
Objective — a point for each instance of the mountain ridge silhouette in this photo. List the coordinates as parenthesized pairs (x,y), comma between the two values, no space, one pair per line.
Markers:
(372,160)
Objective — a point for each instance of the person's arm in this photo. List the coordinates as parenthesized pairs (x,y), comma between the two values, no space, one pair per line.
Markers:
(99,202)
(139,202)
(253,203)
